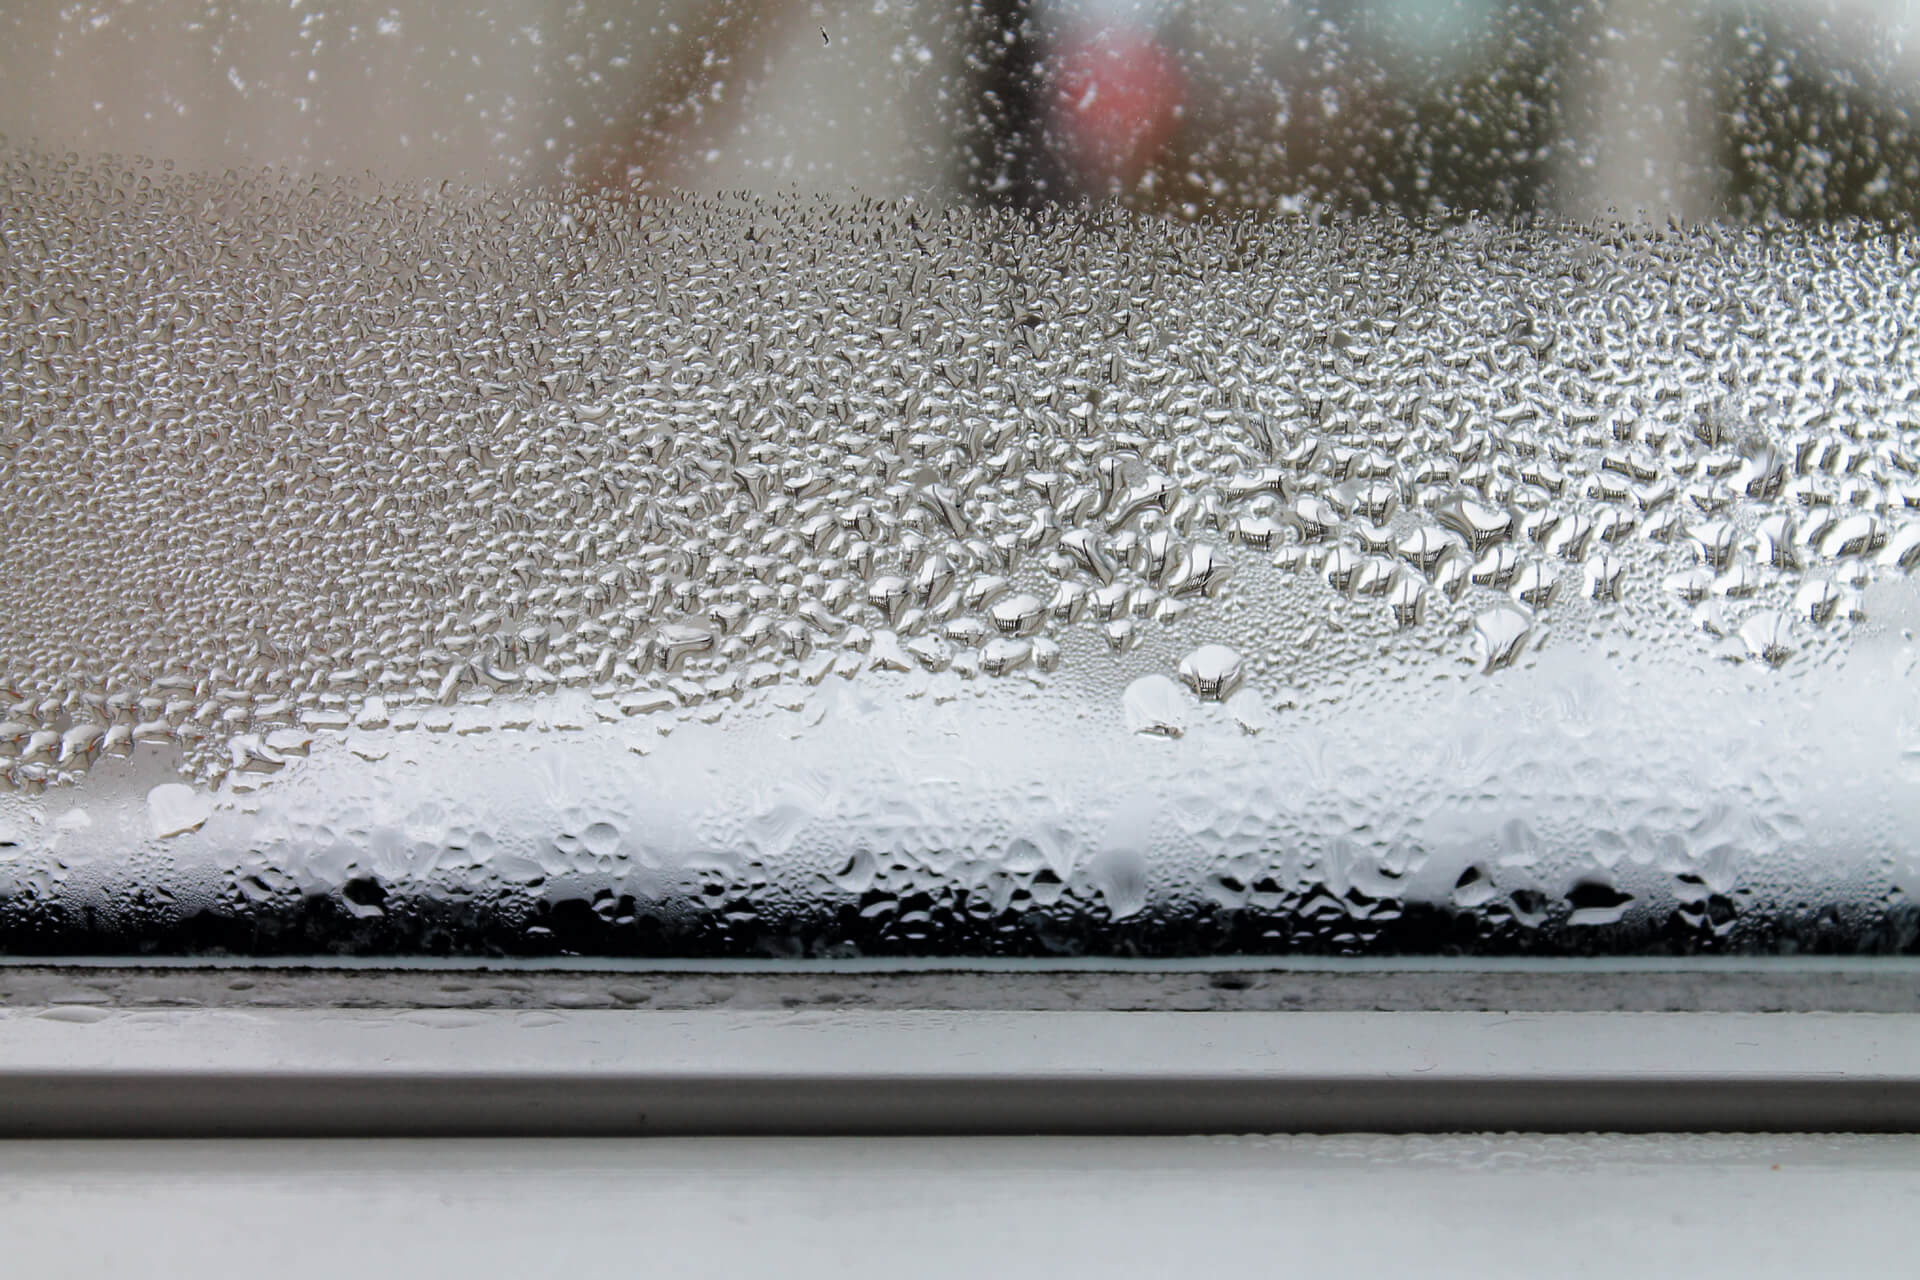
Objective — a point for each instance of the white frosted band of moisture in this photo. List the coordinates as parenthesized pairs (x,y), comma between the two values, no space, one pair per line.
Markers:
(1565,771)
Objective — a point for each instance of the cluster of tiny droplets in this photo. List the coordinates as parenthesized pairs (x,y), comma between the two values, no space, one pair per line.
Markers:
(280,455)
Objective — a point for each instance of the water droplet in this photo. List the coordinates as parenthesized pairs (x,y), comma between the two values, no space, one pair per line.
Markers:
(1018,615)
(174,808)
(1768,636)
(1213,671)
(1500,635)
(1155,705)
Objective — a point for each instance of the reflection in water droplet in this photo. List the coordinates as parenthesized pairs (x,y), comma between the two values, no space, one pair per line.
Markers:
(1213,671)
(1500,635)
(1018,615)
(1768,636)
(1903,548)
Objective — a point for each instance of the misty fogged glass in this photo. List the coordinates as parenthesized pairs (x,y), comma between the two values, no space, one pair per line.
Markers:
(778,479)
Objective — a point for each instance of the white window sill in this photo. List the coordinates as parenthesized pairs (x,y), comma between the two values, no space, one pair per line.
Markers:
(1484,1207)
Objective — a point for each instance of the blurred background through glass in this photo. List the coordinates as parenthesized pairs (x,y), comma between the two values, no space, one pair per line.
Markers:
(1794,108)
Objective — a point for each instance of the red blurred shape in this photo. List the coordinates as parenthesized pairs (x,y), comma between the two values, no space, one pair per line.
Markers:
(1116,103)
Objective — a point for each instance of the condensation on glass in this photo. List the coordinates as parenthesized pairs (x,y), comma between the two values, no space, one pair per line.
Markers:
(790,480)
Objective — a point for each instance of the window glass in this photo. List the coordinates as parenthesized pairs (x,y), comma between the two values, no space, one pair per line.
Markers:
(800,479)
